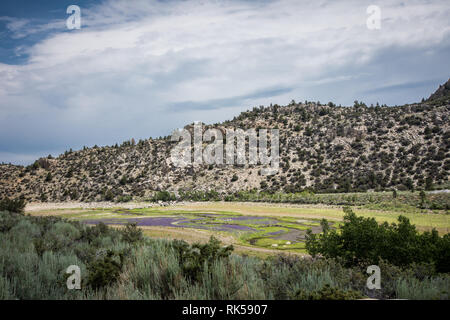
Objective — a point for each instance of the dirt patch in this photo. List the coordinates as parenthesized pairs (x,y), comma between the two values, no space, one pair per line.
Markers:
(42,206)
(293,235)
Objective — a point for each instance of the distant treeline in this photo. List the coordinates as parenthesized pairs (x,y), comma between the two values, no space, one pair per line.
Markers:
(418,199)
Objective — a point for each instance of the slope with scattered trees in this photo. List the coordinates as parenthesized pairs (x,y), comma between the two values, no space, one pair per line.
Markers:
(323,148)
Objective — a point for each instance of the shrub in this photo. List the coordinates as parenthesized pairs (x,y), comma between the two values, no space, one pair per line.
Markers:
(109,195)
(131,233)
(106,270)
(12,205)
(163,196)
(363,240)
(61,235)
(8,220)
(5,289)
(193,259)
(125,198)
(329,293)
(49,177)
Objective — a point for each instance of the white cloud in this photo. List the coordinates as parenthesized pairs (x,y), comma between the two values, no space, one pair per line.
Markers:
(118,76)
(22,27)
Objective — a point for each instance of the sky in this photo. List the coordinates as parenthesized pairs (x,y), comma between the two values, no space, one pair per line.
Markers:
(140,69)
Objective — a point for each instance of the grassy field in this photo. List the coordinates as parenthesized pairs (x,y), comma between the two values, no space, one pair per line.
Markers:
(259,229)
(423,221)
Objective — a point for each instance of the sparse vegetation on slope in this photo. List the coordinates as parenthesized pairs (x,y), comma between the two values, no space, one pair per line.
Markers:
(323,148)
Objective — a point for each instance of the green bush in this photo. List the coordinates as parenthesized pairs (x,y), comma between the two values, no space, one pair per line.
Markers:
(193,259)
(61,235)
(108,195)
(5,289)
(363,240)
(132,234)
(12,205)
(430,289)
(163,196)
(105,271)
(125,198)
(329,293)
(8,220)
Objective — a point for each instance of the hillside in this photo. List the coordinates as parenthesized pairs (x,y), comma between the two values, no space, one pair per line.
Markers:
(326,148)
(442,94)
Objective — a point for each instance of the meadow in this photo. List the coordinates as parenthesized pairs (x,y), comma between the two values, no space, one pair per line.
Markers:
(259,229)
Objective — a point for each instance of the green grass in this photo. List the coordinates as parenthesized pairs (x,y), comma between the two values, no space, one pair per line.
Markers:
(424,221)
(287,217)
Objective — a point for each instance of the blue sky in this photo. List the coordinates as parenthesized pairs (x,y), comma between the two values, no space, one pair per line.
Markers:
(143,68)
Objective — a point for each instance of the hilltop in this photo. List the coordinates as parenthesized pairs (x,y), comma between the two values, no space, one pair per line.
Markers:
(441,95)
(323,148)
